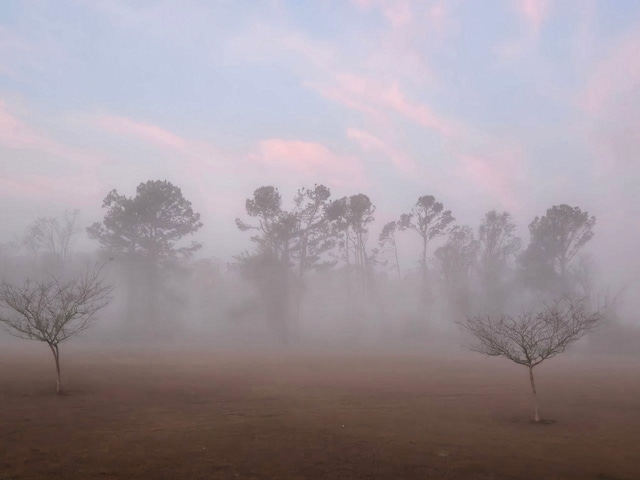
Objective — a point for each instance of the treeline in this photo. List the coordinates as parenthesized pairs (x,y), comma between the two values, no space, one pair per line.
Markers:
(315,267)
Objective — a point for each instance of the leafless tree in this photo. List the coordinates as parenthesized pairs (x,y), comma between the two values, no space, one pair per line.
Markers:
(532,337)
(52,235)
(53,310)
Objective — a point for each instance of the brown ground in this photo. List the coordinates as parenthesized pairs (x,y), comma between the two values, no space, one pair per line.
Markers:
(342,416)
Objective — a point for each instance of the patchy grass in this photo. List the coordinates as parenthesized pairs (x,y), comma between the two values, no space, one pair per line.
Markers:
(202,415)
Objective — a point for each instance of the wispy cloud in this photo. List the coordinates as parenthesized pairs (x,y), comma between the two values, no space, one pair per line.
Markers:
(16,133)
(499,176)
(379,100)
(370,143)
(535,12)
(310,161)
(615,76)
(143,131)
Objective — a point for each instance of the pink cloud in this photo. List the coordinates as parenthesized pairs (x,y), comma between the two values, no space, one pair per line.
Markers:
(535,12)
(291,157)
(617,75)
(27,187)
(201,155)
(369,143)
(143,131)
(421,114)
(22,181)
(437,14)
(75,189)
(342,97)
(397,12)
(611,127)
(498,176)
(377,99)
(17,134)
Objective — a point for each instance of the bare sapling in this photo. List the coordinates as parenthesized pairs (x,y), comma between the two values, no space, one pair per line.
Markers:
(532,337)
(52,310)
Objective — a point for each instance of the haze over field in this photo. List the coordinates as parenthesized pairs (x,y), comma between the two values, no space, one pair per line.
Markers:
(320,239)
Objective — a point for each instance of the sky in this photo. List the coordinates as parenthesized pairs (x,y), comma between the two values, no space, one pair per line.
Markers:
(508,104)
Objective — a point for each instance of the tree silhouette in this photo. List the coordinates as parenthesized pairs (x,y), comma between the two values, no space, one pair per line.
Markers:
(389,247)
(52,235)
(456,260)
(314,236)
(152,222)
(276,234)
(429,220)
(497,247)
(497,243)
(147,228)
(351,217)
(54,309)
(531,338)
(556,238)
(314,231)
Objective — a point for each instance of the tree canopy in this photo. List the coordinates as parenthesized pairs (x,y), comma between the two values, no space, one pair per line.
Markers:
(152,222)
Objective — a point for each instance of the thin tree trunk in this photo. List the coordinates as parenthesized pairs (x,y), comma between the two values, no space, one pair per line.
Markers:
(300,291)
(395,251)
(365,265)
(536,417)
(132,268)
(56,356)
(348,271)
(424,271)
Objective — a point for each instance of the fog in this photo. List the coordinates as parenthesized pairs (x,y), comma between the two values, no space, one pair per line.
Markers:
(320,272)
(371,182)
(321,239)
(279,177)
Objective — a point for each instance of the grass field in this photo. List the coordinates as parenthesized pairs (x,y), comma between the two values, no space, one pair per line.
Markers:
(198,415)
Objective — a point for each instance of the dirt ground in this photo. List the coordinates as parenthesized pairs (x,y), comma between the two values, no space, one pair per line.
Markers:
(176,414)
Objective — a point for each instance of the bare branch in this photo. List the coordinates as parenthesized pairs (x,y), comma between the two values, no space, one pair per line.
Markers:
(53,310)
(530,338)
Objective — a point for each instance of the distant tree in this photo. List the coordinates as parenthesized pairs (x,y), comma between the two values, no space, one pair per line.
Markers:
(150,223)
(52,235)
(337,213)
(583,275)
(53,310)
(498,247)
(531,338)
(361,212)
(388,246)
(497,244)
(456,260)
(429,220)
(314,235)
(537,270)
(351,217)
(276,230)
(556,238)
(147,229)
(271,278)
(268,267)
